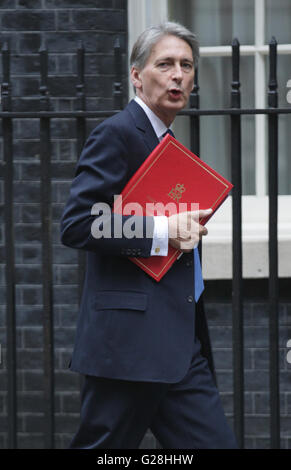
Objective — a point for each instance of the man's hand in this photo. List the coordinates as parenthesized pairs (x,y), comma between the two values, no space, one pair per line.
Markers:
(185,230)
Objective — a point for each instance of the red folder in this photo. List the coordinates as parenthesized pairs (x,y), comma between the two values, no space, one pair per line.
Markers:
(172,175)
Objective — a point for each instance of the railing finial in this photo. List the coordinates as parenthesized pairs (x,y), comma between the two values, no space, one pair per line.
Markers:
(6,86)
(235,85)
(80,87)
(117,86)
(273,83)
(43,89)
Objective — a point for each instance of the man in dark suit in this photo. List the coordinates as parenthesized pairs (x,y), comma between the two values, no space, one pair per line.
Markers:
(142,345)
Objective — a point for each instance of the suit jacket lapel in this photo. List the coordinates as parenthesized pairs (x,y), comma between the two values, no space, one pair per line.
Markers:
(143,125)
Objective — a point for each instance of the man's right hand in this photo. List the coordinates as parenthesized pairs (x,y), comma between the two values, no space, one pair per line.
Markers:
(185,230)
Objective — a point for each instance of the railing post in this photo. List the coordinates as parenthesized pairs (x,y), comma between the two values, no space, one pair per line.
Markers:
(237,284)
(117,87)
(9,252)
(46,223)
(81,136)
(273,250)
(195,148)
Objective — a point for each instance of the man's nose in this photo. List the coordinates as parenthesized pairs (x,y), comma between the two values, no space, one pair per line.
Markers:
(177,73)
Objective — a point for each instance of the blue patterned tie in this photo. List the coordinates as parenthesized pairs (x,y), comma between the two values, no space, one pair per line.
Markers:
(199,284)
(168,131)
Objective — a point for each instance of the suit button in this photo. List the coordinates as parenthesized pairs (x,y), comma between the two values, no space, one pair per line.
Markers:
(157,250)
(190,299)
(189,263)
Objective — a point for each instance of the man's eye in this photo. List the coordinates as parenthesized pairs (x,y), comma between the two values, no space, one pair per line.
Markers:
(163,64)
(187,66)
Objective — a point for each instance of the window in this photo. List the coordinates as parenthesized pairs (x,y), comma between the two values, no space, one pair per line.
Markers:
(216,23)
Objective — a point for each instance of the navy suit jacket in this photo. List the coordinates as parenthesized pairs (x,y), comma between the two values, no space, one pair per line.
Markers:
(130,326)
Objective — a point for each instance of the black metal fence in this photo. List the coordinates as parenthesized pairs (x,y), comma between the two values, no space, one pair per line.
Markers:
(80,115)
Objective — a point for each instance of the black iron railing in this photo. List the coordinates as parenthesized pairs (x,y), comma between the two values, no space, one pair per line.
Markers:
(81,115)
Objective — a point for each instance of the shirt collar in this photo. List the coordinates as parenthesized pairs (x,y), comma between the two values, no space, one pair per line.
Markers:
(157,124)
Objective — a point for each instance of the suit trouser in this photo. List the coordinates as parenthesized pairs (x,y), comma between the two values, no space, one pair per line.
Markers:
(116,414)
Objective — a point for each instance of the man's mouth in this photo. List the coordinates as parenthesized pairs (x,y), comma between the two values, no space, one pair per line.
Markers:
(175,93)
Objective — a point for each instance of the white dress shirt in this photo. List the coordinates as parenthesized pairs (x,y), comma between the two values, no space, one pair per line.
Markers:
(161,232)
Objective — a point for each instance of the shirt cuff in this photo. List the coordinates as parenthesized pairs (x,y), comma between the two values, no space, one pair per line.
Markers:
(160,236)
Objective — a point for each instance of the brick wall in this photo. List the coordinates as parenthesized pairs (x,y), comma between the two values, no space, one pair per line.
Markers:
(256,356)
(60,25)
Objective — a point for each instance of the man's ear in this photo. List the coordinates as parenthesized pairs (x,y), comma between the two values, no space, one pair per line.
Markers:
(135,78)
